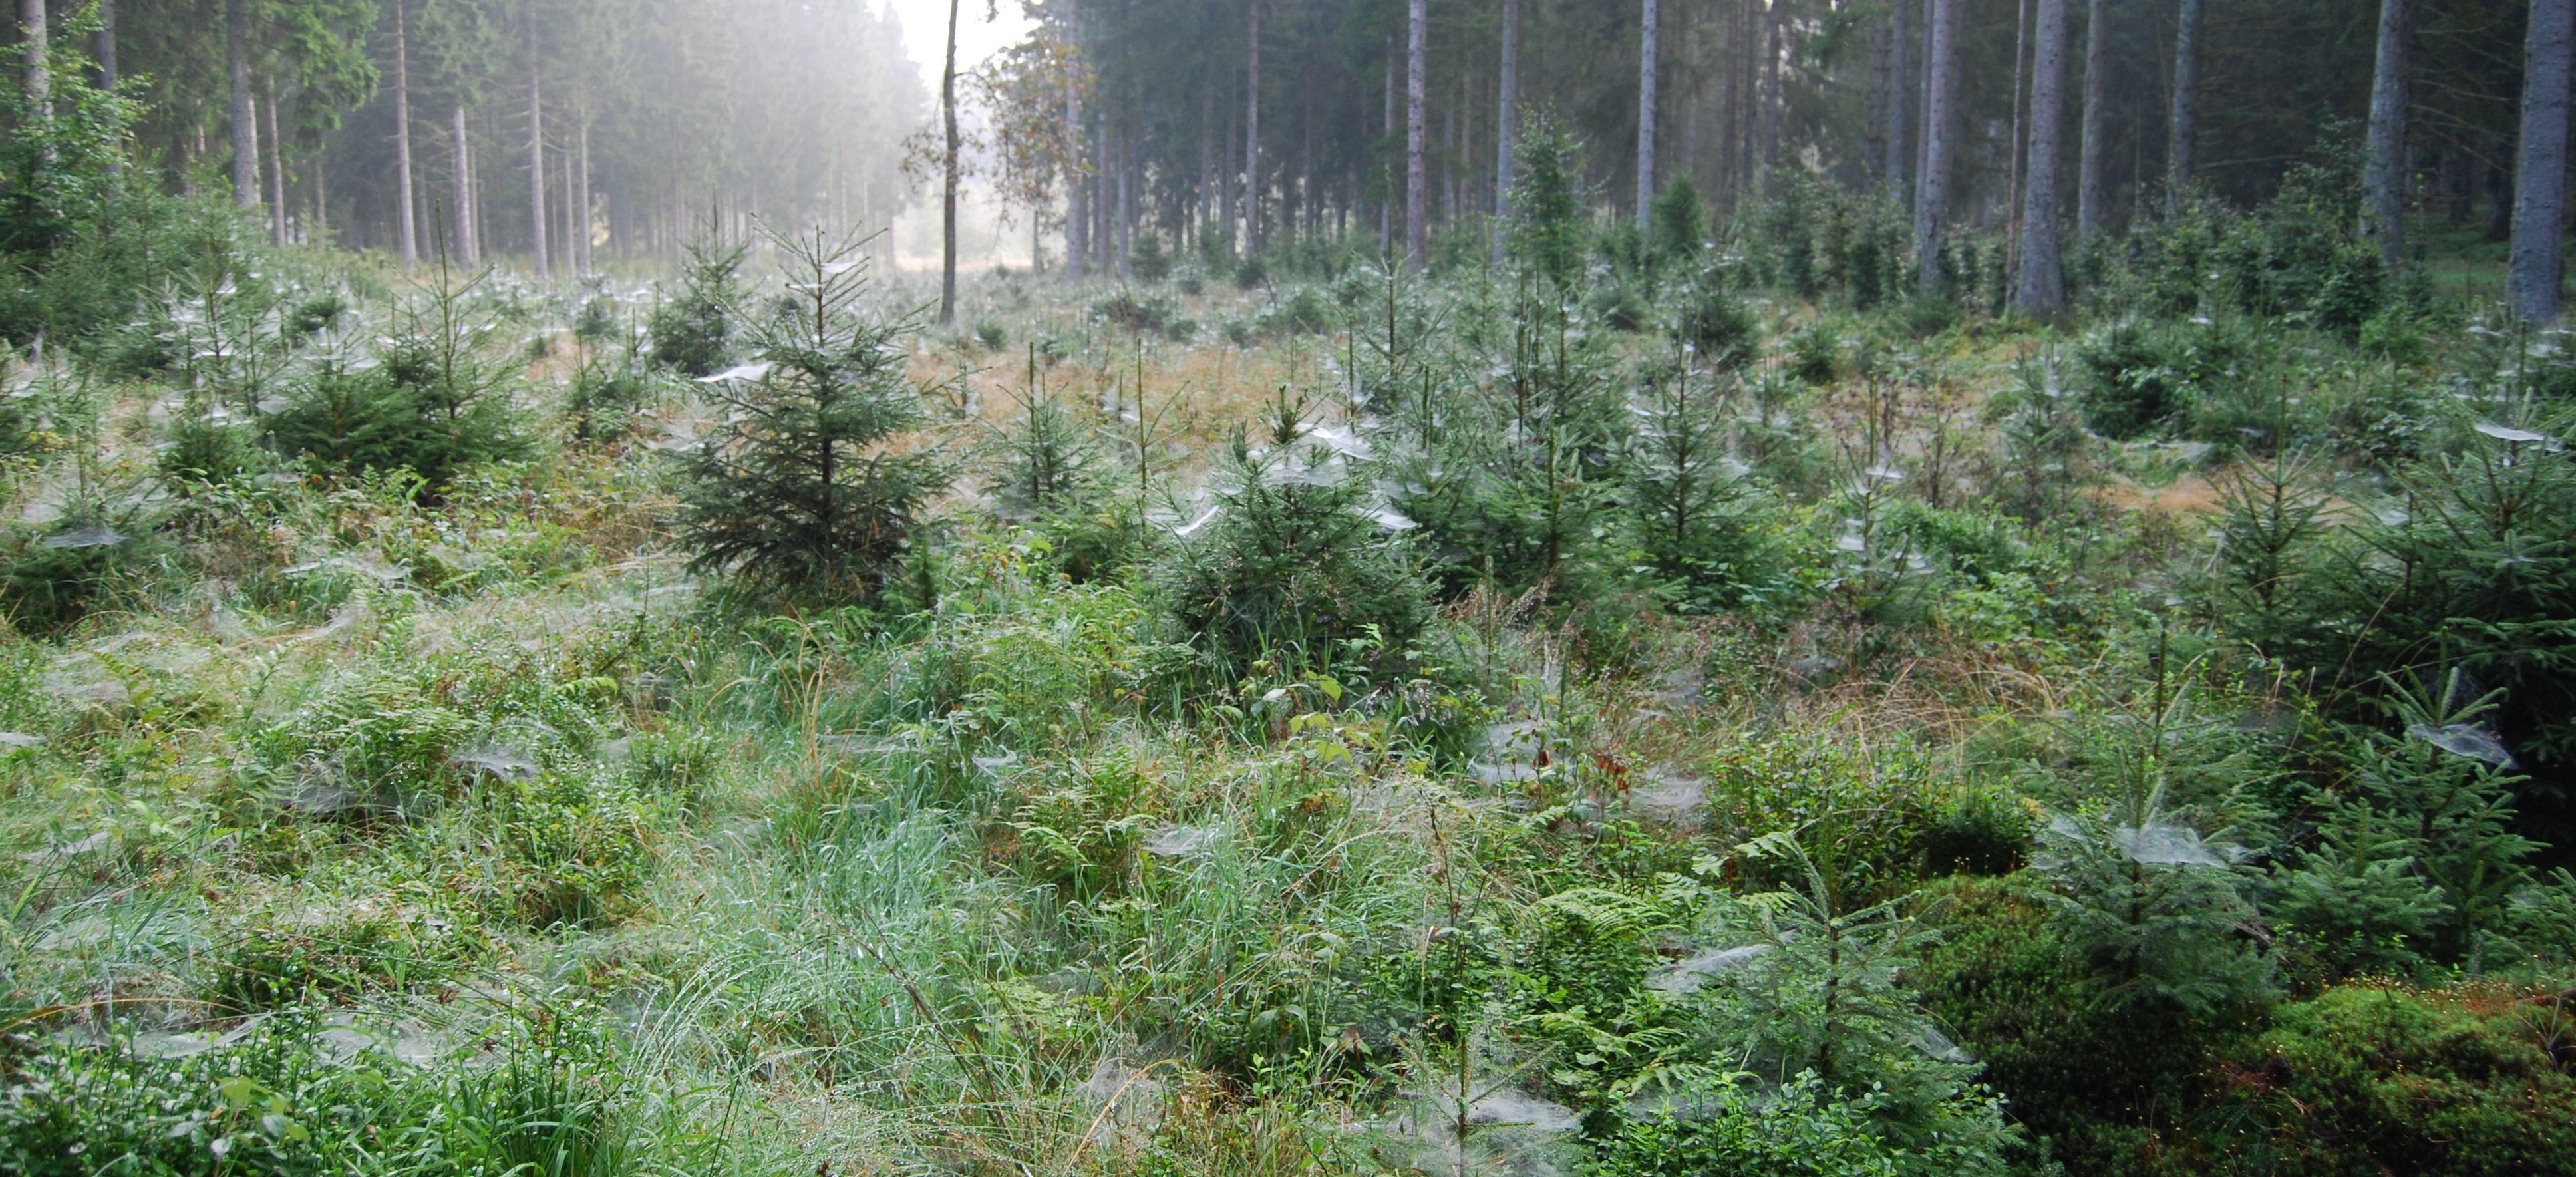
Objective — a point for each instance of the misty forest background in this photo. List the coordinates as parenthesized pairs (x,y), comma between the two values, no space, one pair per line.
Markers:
(607,588)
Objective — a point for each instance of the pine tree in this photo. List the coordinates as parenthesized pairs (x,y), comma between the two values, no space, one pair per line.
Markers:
(798,491)
(694,332)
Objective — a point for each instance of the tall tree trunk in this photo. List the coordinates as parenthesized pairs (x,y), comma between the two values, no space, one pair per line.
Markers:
(1252,140)
(1899,43)
(2097,66)
(406,232)
(1227,174)
(948,176)
(1771,96)
(2013,145)
(1507,118)
(536,152)
(2383,174)
(244,120)
(1932,188)
(1646,63)
(2184,141)
(2041,287)
(1386,202)
(1417,229)
(463,212)
(1077,239)
(2540,171)
(581,193)
(1126,202)
(1206,210)
(106,42)
(276,168)
(1307,202)
(36,78)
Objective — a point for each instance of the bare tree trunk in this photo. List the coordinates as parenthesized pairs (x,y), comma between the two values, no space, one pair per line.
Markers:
(1694,85)
(2088,184)
(245,120)
(1932,188)
(1126,202)
(1226,176)
(406,231)
(1386,201)
(2540,172)
(276,169)
(2185,140)
(2013,145)
(1771,94)
(1646,62)
(1507,120)
(536,153)
(567,241)
(581,193)
(106,42)
(948,171)
(1077,214)
(1899,41)
(1309,204)
(38,80)
(2040,289)
(1417,230)
(1207,158)
(464,210)
(1252,140)
(2383,175)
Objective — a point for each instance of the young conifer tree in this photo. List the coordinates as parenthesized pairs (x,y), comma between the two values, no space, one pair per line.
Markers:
(798,490)
(694,332)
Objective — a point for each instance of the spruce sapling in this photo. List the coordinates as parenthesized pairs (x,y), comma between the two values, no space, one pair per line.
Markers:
(799,489)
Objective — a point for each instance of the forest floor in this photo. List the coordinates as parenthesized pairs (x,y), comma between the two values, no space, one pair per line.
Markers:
(362,815)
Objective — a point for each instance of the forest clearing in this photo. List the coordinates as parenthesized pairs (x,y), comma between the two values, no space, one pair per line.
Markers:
(1446,587)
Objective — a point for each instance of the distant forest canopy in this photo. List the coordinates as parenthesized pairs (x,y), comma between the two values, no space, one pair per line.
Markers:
(1231,123)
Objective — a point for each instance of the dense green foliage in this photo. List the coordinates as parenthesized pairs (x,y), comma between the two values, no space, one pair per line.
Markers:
(1623,700)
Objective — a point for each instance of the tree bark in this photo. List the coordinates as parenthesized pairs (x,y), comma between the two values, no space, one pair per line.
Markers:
(2041,286)
(1417,231)
(1386,201)
(1646,63)
(1206,195)
(2540,169)
(276,169)
(2018,139)
(463,212)
(1771,97)
(37,80)
(1252,140)
(948,173)
(2097,65)
(1932,188)
(536,152)
(244,120)
(1126,214)
(1077,242)
(581,194)
(1899,38)
(406,232)
(2383,176)
(2185,136)
(107,74)
(1507,121)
